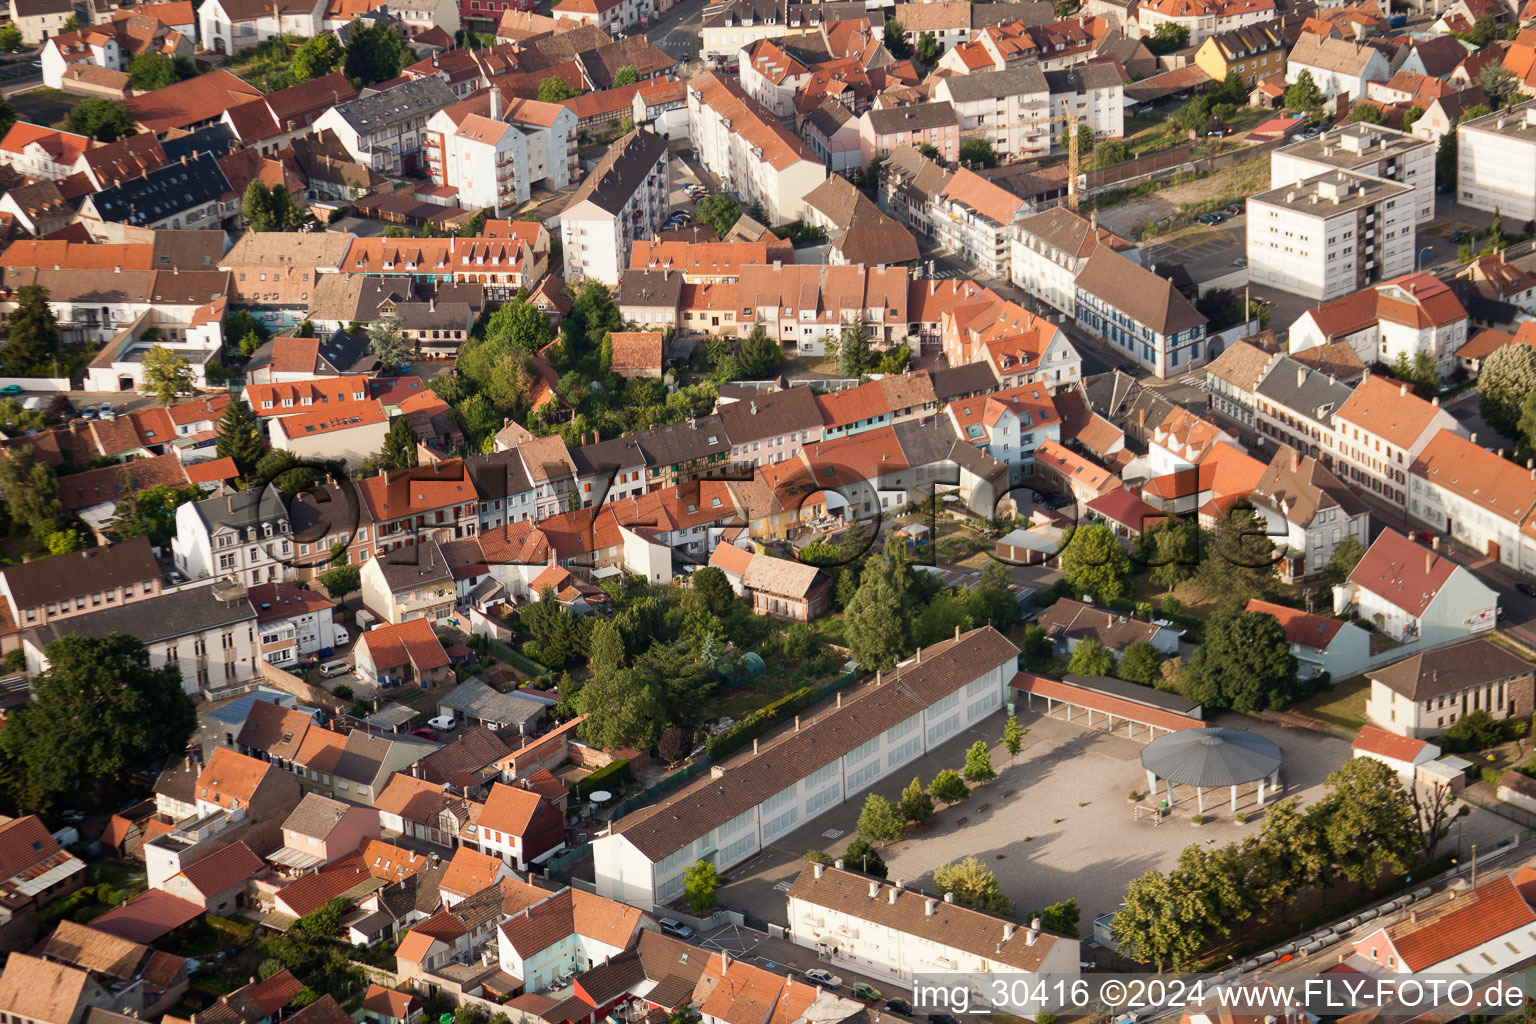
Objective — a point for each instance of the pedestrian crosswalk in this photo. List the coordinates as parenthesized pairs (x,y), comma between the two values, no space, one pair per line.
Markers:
(944,272)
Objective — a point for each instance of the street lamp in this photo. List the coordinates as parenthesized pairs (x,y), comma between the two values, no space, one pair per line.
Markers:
(1416,256)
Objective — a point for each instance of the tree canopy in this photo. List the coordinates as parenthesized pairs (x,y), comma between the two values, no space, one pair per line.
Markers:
(167,375)
(317,57)
(1244,663)
(1508,375)
(34,334)
(375,53)
(1094,562)
(102,119)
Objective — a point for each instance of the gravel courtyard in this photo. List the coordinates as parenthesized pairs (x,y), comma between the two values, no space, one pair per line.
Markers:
(1058,824)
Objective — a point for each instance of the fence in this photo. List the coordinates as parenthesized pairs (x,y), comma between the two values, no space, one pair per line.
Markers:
(524,664)
(1523,818)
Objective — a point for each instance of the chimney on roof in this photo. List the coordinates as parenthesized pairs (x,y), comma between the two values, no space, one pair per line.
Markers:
(891,896)
(754,746)
(1402,389)
(1473,437)
(919,655)
(949,897)
(817,869)
(838,863)
(839,698)
(874,890)
(1429,560)
(797,723)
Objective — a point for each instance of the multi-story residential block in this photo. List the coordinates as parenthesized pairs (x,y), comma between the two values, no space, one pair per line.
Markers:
(1414,595)
(1478,498)
(612,16)
(519,826)
(185,195)
(1331,234)
(229,26)
(38,152)
(1232,381)
(801,306)
(1008,425)
(1093,93)
(1049,249)
(244,536)
(1294,403)
(746,147)
(884,129)
(508,256)
(495,152)
(1379,432)
(975,220)
(1367,149)
(1496,162)
(1010,109)
(1143,314)
(1201,18)
(292,621)
(1308,513)
(411,582)
(1424,694)
(1338,66)
(436,502)
(47,589)
(1252,53)
(276,276)
(1395,321)
(623,199)
(385,130)
(899,932)
(208,632)
(38,20)
(641,858)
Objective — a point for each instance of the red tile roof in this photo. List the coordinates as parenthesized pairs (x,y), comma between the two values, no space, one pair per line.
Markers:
(1388,409)
(1058,689)
(1480,916)
(1386,744)
(1402,572)
(1300,627)
(223,869)
(411,641)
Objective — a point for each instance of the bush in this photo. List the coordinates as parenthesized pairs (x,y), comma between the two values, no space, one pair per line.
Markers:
(342,692)
(1476,730)
(608,776)
(819,857)
(1490,776)
(1242,817)
(1198,819)
(755,723)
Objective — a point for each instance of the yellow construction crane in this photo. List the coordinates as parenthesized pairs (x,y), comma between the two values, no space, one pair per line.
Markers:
(1071,121)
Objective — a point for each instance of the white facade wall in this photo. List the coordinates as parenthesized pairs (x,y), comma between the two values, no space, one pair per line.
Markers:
(1414,167)
(1318,251)
(1472,523)
(1368,460)
(1496,167)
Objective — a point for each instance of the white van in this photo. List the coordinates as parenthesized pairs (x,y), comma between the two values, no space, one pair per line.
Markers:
(336,668)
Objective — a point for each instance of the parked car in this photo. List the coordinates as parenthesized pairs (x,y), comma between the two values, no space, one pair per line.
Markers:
(676,928)
(1241,261)
(1233,211)
(72,817)
(11,389)
(826,978)
(106,412)
(1211,218)
(900,1007)
(332,669)
(863,991)
(447,723)
(1528,589)
(1423,536)
(88,413)
(424,732)
(941,1018)
(341,637)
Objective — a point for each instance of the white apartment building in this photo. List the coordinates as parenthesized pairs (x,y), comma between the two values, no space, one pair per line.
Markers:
(386,130)
(229,26)
(899,934)
(1397,319)
(292,622)
(1415,595)
(837,753)
(974,219)
(481,157)
(1093,92)
(1010,109)
(1049,249)
(1331,234)
(1480,499)
(751,153)
(1202,18)
(624,198)
(1362,148)
(1380,431)
(1308,512)
(1496,162)
(1337,66)
(244,536)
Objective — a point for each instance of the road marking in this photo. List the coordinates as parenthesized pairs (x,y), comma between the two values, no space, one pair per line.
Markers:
(781,886)
(832,833)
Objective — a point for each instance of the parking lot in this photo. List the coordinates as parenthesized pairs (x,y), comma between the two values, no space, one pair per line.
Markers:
(1058,825)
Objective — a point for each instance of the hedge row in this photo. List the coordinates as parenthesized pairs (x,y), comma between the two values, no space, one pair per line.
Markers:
(612,774)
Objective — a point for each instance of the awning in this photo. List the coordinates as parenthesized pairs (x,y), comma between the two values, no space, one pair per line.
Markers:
(288,857)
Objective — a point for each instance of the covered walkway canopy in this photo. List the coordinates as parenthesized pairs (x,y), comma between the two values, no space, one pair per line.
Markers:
(1116,702)
(1210,758)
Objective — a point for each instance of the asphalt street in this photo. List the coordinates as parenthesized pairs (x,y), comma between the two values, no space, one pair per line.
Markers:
(676,30)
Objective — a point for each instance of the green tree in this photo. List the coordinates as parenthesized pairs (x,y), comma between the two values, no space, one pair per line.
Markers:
(1295,853)
(1094,562)
(759,355)
(626,75)
(930,151)
(1110,152)
(606,650)
(240,437)
(554,90)
(873,624)
(1013,737)
(880,821)
(978,763)
(317,57)
(10,38)
(31,492)
(256,207)
(34,334)
(1499,83)
(152,512)
(916,805)
(927,52)
(101,119)
(896,42)
(1141,663)
(1346,556)
(719,211)
(1240,556)
(1411,116)
(399,447)
(342,580)
(375,53)
(1508,375)
(852,348)
(1370,113)
(1166,38)
(621,709)
(1304,97)
(973,885)
(977,152)
(156,71)
(1149,928)
(700,883)
(1368,824)
(167,376)
(1475,730)
(1244,663)
(714,588)
(71,24)
(948,787)
(1091,658)
(98,714)
(518,325)
(63,542)
(861,855)
(1060,918)
(387,342)
(323,923)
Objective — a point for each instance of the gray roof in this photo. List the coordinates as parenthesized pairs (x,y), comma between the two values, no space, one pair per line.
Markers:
(415,100)
(1137,292)
(498,475)
(769,414)
(924,443)
(662,288)
(391,716)
(238,710)
(1331,194)
(1032,13)
(960,381)
(475,699)
(913,117)
(1302,389)
(415,565)
(243,509)
(621,171)
(178,613)
(46,580)
(164,192)
(696,438)
(828,117)
(1211,757)
(1136,693)
(989,85)
(316,815)
(1083,78)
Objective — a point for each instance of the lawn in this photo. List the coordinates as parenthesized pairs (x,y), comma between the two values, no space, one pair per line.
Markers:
(44,105)
(1342,706)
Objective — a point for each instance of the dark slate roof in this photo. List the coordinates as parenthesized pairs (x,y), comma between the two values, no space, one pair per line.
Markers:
(163,193)
(178,613)
(1080,79)
(958,381)
(769,414)
(243,508)
(621,171)
(912,118)
(924,443)
(1032,13)
(682,442)
(993,84)
(1297,386)
(417,99)
(212,140)
(651,288)
(498,475)
(415,566)
(1211,757)
(47,580)
(348,352)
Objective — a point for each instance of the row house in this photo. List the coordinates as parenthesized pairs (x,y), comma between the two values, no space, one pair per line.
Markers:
(709,262)
(1392,323)
(385,131)
(623,199)
(292,622)
(1379,431)
(909,184)
(801,306)
(1140,313)
(745,146)
(437,502)
(975,219)
(1294,404)
(61,587)
(1308,512)
(1232,378)
(1008,425)
(1049,249)
(1201,18)
(505,258)
(244,536)
(1015,344)
(1476,497)
(229,26)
